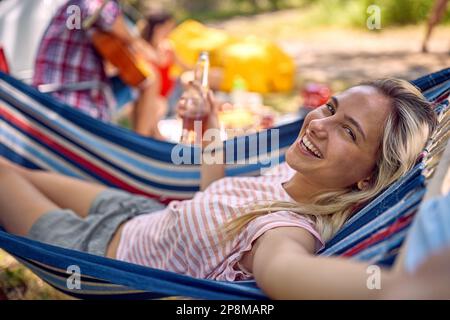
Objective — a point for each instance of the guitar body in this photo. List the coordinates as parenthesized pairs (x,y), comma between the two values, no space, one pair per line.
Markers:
(133,70)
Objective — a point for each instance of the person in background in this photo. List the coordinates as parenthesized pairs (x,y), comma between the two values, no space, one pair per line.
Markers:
(436,15)
(431,280)
(423,267)
(67,56)
(158,26)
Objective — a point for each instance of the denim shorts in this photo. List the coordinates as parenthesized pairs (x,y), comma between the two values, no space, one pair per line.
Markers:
(110,209)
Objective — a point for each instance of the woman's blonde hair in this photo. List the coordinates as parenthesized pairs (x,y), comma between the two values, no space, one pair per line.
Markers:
(407,128)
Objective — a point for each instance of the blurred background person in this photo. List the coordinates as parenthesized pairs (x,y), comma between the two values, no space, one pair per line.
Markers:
(431,280)
(158,26)
(436,15)
(423,267)
(67,56)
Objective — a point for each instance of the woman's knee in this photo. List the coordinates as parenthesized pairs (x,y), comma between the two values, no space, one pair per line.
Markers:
(8,166)
(7,172)
(153,84)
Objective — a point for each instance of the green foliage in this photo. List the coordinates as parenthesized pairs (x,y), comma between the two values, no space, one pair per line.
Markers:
(214,10)
(340,13)
(17,282)
(347,13)
(343,13)
(13,278)
(402,12)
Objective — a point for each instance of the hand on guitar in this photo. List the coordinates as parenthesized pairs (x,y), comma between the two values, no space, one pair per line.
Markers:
(131,58)
(141,48)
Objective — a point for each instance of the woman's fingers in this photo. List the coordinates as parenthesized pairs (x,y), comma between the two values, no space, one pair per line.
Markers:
(212,102)
(209,96)
(181,107)
(196,85)
(213,107)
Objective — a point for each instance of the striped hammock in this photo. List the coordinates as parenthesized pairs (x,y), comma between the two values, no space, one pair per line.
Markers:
(39,132)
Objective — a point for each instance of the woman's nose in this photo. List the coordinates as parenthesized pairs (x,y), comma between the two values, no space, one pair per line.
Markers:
(318,128)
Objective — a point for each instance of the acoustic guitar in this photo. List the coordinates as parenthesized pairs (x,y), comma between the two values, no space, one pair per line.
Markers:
(133,69)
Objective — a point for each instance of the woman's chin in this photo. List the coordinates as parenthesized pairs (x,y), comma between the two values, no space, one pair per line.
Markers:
(300,162)
(295,155)
(293,159)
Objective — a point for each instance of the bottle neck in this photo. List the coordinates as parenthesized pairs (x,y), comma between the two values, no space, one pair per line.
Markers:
(202,71)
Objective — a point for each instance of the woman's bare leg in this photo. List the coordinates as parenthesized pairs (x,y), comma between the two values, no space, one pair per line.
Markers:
(21,204)
(64,192)
(436,15)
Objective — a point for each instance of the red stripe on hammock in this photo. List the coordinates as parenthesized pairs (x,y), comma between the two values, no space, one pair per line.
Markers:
(380,235)
(75,157)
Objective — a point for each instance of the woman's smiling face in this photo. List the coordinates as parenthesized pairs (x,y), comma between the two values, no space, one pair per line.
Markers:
(339,141)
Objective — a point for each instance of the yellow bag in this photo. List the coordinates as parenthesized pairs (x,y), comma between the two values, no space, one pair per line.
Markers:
(261,63)
(192,37)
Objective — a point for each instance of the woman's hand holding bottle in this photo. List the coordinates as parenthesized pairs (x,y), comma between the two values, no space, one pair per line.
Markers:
(198,104)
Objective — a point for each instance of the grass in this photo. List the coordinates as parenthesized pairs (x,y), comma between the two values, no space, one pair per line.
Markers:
(19,283)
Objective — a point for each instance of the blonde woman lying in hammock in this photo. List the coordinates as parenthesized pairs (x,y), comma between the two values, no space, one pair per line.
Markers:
(268,227)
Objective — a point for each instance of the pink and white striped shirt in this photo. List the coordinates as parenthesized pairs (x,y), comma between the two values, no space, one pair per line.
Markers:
(183,237)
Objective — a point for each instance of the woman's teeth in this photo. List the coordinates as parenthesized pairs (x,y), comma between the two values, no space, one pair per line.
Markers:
(311,147)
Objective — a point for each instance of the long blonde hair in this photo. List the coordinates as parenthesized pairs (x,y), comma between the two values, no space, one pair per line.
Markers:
(407,128)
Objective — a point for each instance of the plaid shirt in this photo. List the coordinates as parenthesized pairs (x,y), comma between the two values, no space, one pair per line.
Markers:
(66,55)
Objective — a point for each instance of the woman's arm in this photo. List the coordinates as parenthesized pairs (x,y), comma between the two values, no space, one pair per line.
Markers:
(430,280)
(284,268)
(212,166)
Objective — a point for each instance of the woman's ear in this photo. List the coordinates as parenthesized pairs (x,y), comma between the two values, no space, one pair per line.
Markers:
(363,184)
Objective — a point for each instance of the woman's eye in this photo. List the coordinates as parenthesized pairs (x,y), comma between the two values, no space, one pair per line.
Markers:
(350,133)
(330,108)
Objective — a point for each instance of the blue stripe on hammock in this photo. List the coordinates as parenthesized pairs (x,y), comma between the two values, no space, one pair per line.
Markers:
(288,134)
(434,93)
(428,81)
(117,168)
(364,220)
(129,275)
(110,132)
(89,287)
(62,133)
(381,220)
(375,253)
(12,155)
(363,216)
(234,171)
(159,150)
